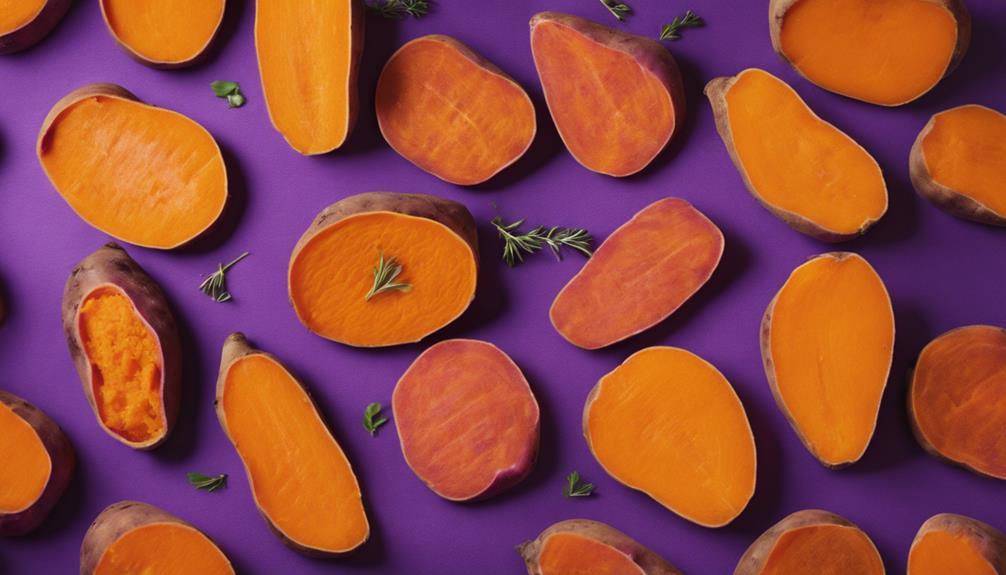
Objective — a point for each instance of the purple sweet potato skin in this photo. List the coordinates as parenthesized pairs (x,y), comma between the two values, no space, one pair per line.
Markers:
(990,542)
(37,29)
(649,562)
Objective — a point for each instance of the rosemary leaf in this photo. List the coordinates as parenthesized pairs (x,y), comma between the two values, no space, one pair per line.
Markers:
(399,9)
(369,422)
(574,488)
(618,9)
(516,244)
(215,285)
(672,31)
(207,482)
(385,273)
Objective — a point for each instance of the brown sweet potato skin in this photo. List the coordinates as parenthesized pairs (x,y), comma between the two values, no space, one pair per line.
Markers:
(990,542)
(647,560)
(33,32)
(156,63)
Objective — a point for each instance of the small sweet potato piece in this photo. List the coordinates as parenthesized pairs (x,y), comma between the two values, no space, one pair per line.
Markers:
(125,345)
(332,268)
(640,275)
(955,398)
(492,444)
(164,34)
(586,547)
(667,423)
(616,98)
(38,463)
(949,543)
(805,171)
(24,23)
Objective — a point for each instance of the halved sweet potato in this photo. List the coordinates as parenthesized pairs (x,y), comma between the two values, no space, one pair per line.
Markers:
(24,23)
(585,547)
(667,423)
(130,537)
(812,541)
(616,98)
(301,480)
(623,290)
(144,175)
(955,398)
(125,345)
(164,34)
(887,53)
(949,543)
(38,463)
(333,266)
(805,171)
(958,162)
(308,57)
(827,339)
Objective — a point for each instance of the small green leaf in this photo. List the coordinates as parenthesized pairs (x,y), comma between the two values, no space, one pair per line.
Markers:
(398,9)
(222,88)
(385,273)
(235,100)
(574,488)
(215,284)
(672,31)
(207,482)
(617,9)
(516,244)
(369,422)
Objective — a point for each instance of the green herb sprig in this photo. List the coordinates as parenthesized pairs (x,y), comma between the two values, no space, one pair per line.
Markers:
(672,31)
(231,91)
(215,285)
(385,273)
(369,422)
(618,9)
(399,9)
(574,488)
(516,244)
(207,482)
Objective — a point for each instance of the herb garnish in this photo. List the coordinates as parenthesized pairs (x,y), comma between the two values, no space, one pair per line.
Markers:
(385,273)
(229,90)
(207,482)
(574,488)
(617,9)
(399,9)
(371,424)
(672,31)
(515,242)
(215,285)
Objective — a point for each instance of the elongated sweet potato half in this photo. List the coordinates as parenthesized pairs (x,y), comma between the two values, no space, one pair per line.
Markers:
(616,98)
(164,34)
(623,289)
(805,171)
(955,398)
(144,175)
(812,541)
(130,537)
(491,442)
(827,339)
(585,547)
(332,269)
(38,463)
(886,52)
(125,345)
(958,162)
(308,57)
(24,23)
(949,543)
(301,480)
(667,423)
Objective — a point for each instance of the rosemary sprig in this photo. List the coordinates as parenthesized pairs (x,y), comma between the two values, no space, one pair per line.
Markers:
(672,31)
(385,273)
(618,9)
(399,9)
(215,285)
(207,482)
(229,90)
(515,243)
(574,488)
(371,424)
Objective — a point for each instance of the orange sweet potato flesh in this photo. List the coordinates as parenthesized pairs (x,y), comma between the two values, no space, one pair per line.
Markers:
(23,23)
(956,398)
(949,543)
(585,547)
(827,341)
(623,290)
(669,424)
(164,33)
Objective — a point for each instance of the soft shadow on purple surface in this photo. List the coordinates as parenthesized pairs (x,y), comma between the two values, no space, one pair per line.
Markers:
(182,441)
(900,223)
(490,300)
(233,16)
(234,210)
(67,510)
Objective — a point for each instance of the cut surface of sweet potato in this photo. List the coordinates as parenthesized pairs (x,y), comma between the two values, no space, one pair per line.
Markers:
(949,543)
(585,547)
(667,423)
(164,34)
(23,23)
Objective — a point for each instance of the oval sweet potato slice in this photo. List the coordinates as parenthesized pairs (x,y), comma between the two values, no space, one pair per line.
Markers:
(588,547)
(144,175)
(616,98)
(623,290)
(24,23)
(955,398)
(949,543)
(667,423)
(164,34)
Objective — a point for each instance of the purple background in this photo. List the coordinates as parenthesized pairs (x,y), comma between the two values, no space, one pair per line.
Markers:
(941,272)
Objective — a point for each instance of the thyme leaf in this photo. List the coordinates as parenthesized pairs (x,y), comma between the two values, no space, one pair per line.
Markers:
(672,31)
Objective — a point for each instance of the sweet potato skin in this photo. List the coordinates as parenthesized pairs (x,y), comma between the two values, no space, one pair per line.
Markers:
(33,32)
(160,65)
(990,542)
(647,560)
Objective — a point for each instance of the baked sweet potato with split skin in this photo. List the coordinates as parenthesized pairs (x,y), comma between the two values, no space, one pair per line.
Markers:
(950,543)
(133,537)
(616,98)
(832,189)
(38,463)
(24,23)
(124,342)
(332,268)
(161,34)
(588,547)
(144,175)
(958,162)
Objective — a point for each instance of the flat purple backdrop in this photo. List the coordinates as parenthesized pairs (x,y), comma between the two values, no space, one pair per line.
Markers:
(941,272)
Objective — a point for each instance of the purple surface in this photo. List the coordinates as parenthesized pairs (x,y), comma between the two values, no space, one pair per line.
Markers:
(941,273)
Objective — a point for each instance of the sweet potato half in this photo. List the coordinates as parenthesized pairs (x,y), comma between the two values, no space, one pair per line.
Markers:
(827,340)
(585,547)
(124,342)
(130,537)
(616,98)
(144,175)
(958,162)
(667,423)
(802,169)
(301,480)
(490,443)
(38,463)
(164,34)
(333,268)
(949,543)
(887,53)
(24,23)
(623,290)
(955,398)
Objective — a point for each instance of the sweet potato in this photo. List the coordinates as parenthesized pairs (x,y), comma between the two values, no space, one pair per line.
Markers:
(640,275)
(812,541)
(958,162)
(308,58)
(144,175)
(133,537)
(667,423)
(585,547)
(492,445)
(616,98)
(949,543)
(955,398)
(38,463)
(827,340)
(164,34)
(333,267)
(887,53)
(802,169)
(24,23)
(301,480)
